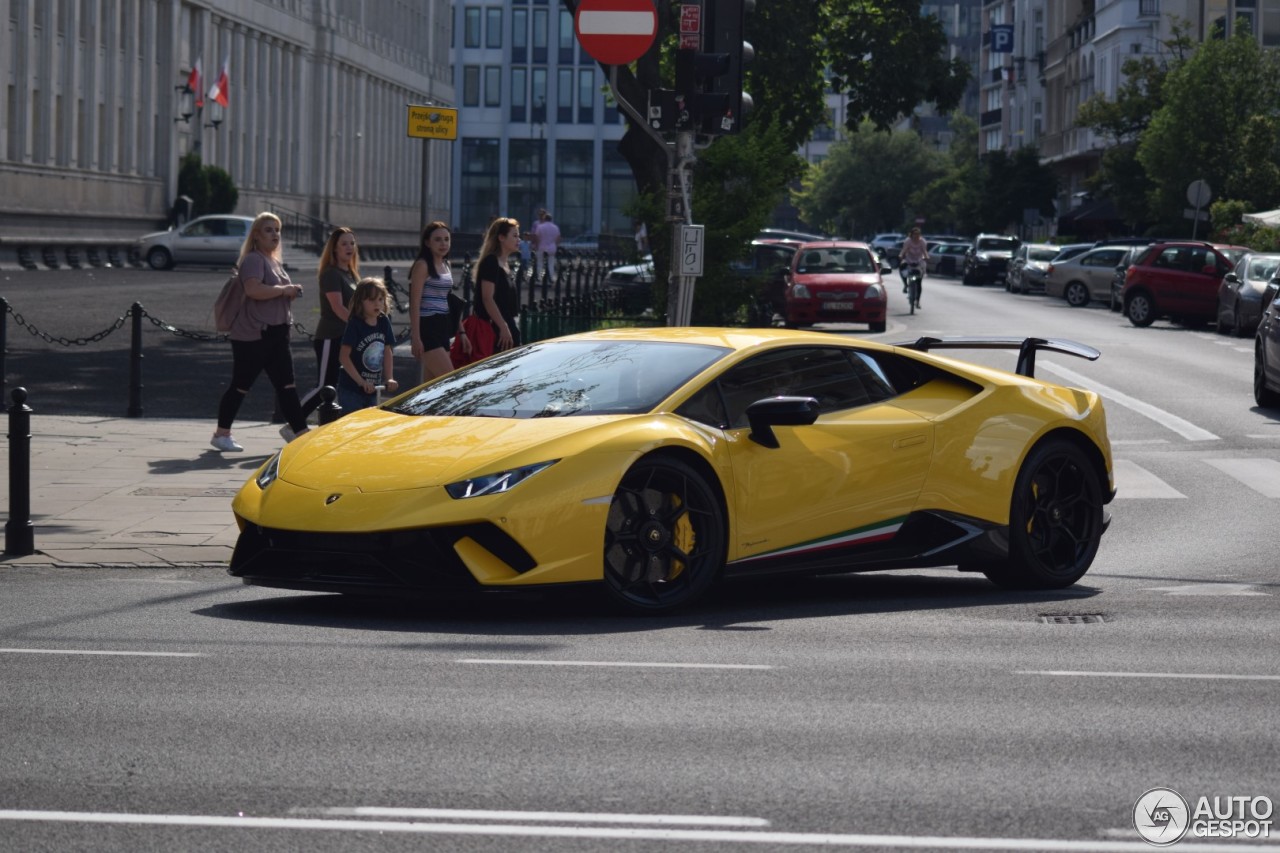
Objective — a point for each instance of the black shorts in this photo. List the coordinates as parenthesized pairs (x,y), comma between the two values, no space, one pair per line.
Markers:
(434,331)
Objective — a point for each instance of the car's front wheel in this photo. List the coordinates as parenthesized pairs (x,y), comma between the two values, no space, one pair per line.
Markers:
(159,258)
(1139,309)
(664,541)
(1055,520)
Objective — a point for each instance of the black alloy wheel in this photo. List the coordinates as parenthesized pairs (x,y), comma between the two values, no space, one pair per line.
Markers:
(664,541)
(1055,520)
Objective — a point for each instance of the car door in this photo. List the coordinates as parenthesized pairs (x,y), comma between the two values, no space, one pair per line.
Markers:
(1098,268)
(193,244)
(1195,282)
(230,242)
(847,479)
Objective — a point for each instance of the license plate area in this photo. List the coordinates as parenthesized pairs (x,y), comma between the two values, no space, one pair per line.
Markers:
(839,306)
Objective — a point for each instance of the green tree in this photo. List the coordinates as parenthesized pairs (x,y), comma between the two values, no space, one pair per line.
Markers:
(1218,115)
(223,195)
(210,188)
(864,183)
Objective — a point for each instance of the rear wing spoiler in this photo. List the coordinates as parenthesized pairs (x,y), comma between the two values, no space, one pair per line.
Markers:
(1027,348)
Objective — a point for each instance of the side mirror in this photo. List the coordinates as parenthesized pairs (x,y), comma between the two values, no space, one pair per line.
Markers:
(765,414)
(1231,277)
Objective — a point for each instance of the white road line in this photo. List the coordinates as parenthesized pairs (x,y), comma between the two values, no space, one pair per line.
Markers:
(101,652)
(1134,441)
(1134,481)
(1206,676)
(561,817)
(655,664)
(1186,429)
(1263,435)
(776,839)
(1261,475)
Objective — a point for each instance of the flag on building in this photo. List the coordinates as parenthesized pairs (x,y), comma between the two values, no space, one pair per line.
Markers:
(218,91)
(194,82)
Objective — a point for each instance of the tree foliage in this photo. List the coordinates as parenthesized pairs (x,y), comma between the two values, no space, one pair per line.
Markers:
(210,188)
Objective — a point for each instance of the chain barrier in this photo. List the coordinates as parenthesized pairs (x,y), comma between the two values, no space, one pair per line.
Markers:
(66,342)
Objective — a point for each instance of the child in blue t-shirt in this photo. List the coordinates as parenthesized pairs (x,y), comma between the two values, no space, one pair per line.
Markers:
(367,347)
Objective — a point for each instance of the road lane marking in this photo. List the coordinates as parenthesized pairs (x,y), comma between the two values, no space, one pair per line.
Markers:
(1204,676)
(1184,428)
(1261,475)
(563,817)
(102,652)
(655,664)
(1208,589)
(1134,481)
(819,839)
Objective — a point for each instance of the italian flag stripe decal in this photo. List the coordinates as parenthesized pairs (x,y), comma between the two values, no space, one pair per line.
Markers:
(877,532)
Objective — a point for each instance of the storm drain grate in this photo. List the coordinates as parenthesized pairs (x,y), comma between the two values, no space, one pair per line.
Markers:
(1071,618)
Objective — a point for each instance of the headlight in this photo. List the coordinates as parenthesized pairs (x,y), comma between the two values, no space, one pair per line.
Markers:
(493,484)
(269,472)
(799,291)
(875,291)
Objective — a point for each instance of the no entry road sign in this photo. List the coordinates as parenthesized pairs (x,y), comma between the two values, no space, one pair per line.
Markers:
(615,32)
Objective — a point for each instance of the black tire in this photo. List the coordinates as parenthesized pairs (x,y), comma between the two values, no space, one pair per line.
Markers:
(158,258)
(1140,310)
(1076,294)
(664,541)
(1262,395)
(1055,520)
(878,327)
(1115,304)
(1237,327)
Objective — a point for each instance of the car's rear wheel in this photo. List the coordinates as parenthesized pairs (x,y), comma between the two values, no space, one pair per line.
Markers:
(159,258)
(1139,309)
(1262,395)
(1076,294)
(1055,520)
(664,541)
(1237,324)
(878,327)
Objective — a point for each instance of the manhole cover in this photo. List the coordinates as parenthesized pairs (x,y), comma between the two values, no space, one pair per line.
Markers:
(1071,618)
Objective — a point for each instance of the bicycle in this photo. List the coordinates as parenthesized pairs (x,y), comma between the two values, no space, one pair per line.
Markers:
(914,279)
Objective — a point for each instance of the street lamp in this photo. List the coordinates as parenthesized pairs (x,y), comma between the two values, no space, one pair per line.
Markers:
(215,115)
(186,104)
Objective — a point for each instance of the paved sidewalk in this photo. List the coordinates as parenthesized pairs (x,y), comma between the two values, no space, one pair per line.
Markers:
(120,492)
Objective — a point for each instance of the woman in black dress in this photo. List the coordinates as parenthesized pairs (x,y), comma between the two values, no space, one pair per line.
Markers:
(499,302)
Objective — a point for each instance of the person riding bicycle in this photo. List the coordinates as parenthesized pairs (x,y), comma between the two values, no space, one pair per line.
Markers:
(914,253)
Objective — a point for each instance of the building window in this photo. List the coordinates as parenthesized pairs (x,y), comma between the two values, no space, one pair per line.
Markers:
(519,35)
(538,97)
(519,94)
(479,190)
(527,179)
(568,40)
(471,27)
(564,95)
(493,85)
(586,95)
(574,167)
(540,35)
(493,26)
(471,86)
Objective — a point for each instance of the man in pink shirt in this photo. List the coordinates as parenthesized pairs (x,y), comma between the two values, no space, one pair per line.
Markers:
(546,240)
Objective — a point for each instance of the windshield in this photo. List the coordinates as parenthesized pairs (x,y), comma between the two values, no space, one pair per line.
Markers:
(996,244)
(1043,254)
(560,378)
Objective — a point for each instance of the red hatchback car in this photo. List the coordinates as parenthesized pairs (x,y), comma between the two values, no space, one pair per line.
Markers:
(1178,280)
(836,281)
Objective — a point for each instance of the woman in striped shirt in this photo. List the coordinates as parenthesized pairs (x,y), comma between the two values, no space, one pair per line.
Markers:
(430,280)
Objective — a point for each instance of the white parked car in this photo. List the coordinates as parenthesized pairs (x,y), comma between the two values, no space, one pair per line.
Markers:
(209,240)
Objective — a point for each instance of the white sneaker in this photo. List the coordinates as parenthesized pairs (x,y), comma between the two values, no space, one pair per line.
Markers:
(225,443)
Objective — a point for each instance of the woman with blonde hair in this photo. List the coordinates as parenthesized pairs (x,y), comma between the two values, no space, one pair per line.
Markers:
(260,334)
(498,301)
(338,274)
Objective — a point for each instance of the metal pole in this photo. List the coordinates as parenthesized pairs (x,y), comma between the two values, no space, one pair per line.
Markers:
(4,339)
(19,533)
(135,363)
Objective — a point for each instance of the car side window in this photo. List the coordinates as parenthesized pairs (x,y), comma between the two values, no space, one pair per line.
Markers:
(197,229)
(236,228)
(825,373)
(705,407)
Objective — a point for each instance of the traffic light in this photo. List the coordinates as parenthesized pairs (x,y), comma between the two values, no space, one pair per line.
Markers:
(718,70)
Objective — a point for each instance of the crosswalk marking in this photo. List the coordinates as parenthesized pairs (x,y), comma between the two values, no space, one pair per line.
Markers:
(1261,475)
(1134,481)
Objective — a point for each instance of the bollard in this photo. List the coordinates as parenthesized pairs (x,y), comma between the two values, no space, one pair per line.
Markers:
(135,363)
(19,534)
(328,411)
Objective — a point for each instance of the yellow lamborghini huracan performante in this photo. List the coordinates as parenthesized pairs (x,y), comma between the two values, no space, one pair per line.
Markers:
(653,462)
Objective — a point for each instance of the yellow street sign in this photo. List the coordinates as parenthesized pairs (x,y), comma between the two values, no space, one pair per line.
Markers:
(433,122)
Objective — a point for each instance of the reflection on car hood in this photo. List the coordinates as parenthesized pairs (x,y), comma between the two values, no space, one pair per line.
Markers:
(154,234)
(375,450)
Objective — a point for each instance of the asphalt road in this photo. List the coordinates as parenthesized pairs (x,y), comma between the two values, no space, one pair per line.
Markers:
(907,710)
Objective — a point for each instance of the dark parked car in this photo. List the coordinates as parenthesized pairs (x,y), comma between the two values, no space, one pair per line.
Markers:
(763,270)
(1117,280)
(987,260)
(1177,280)
(1266,351)
(1241,291)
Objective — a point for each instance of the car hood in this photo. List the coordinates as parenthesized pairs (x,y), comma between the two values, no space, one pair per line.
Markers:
(374,450)
(154,235)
